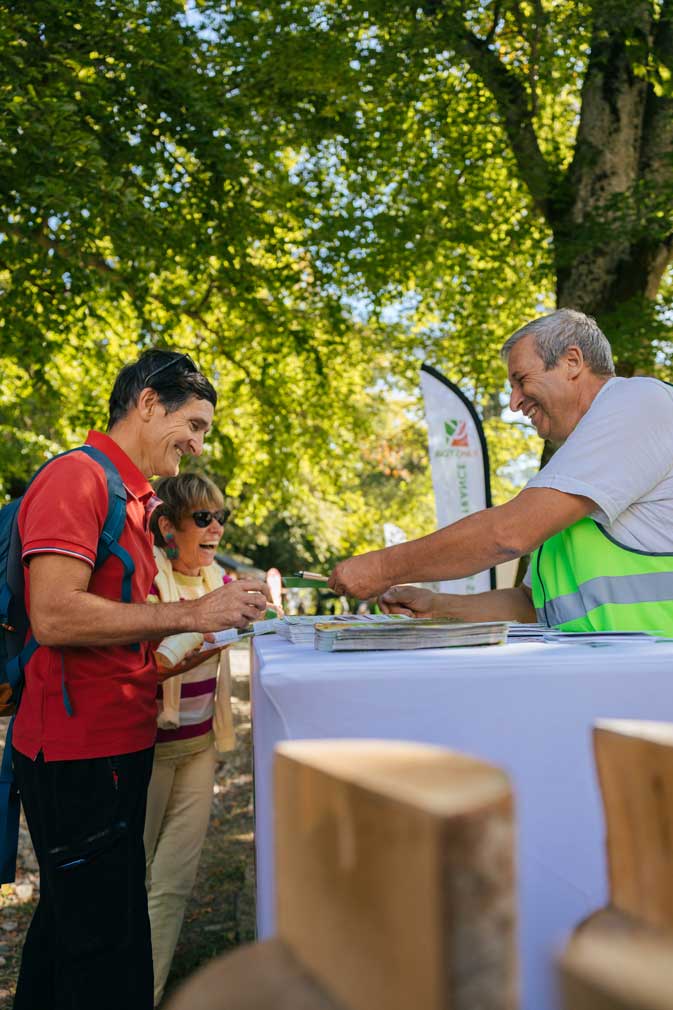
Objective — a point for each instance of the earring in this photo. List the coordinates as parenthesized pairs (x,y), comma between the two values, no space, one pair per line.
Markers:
(171,548)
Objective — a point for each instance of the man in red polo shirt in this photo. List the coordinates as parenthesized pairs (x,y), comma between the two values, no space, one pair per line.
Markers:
(83,774)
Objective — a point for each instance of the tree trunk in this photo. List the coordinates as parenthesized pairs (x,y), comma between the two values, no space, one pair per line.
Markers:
(611,221)
(610,211)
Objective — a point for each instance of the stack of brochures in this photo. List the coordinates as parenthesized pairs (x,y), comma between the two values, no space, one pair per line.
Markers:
(301,630)
(414,633)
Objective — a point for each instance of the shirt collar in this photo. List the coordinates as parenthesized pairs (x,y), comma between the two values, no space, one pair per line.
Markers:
(134,481)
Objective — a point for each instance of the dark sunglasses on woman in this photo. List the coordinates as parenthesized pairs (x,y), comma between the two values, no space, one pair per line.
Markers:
(204,518)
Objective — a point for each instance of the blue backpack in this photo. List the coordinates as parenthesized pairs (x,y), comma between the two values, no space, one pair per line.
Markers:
(16,647)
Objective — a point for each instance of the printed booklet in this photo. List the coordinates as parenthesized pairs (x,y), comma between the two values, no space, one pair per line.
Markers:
(413,633)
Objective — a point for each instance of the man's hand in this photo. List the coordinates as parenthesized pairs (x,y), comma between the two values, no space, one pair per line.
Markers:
(361,577)
(233,606)
(410,600)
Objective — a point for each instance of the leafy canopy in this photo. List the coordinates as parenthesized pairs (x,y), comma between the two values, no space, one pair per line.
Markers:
(307,197)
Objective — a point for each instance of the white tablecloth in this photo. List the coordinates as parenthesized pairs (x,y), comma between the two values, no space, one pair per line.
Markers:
(527,707)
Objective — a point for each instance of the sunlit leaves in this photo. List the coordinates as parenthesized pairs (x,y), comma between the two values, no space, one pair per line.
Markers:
(311,199)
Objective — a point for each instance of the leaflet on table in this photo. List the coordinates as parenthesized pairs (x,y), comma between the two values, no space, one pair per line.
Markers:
(557,637)
(231,635)
(554,636)
(518,632)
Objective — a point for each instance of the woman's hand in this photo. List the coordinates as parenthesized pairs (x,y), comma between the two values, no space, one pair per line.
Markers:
(192,659)
(412,601)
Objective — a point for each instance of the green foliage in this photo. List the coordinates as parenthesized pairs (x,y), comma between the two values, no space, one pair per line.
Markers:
(310,199)
(514,453)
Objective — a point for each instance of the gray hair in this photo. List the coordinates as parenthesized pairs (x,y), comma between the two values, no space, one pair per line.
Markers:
(562,329)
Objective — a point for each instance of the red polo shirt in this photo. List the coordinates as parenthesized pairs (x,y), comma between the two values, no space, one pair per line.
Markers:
(112,689)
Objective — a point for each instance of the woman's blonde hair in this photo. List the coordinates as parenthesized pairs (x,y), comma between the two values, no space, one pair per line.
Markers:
(180,496)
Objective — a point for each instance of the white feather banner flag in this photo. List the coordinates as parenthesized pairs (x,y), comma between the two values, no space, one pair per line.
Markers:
(459,460)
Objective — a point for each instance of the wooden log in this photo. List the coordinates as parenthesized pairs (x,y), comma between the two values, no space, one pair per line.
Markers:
(635,769)
(395,874)
(261,976)
(630,969)
(395,871)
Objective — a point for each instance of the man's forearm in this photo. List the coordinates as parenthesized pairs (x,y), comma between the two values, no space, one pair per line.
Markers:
(64,613)
(484,539)
(471,545)
(495,605)
(84,619)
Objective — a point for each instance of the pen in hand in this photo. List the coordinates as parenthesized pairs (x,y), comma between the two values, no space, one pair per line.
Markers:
(314,576)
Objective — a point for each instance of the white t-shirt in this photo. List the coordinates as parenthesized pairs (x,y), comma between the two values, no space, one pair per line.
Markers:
(621,456)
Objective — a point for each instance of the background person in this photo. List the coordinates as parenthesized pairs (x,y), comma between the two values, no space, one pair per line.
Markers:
(195,718)
(83,769)
(599,515)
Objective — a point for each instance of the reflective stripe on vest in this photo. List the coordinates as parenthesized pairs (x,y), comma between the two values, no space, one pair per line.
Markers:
(583,580)
(654,586)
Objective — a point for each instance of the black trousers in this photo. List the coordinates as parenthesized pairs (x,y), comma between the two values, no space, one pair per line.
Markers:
(88,945)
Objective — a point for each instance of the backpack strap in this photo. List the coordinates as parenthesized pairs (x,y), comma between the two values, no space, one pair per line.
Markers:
(108,544)
(10,807)
(6,597)
(114,523)
(15,667)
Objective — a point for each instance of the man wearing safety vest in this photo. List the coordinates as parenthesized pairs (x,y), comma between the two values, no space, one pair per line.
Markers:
(597,519)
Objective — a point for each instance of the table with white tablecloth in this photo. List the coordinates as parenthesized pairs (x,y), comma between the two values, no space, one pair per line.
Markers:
(527,707)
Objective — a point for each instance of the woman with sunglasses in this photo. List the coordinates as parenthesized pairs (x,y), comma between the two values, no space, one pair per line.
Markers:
(195,719)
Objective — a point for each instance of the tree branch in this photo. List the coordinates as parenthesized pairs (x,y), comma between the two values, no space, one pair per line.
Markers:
(494,26)
(198,318)
(61,249)
(535,55)
(663,40)
(510,97)
(512,101)
(656,159)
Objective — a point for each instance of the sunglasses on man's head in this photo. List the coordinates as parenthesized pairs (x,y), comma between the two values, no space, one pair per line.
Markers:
(174,361)
(204,518)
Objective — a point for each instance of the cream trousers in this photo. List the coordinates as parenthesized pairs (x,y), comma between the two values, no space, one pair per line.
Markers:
(178,809)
